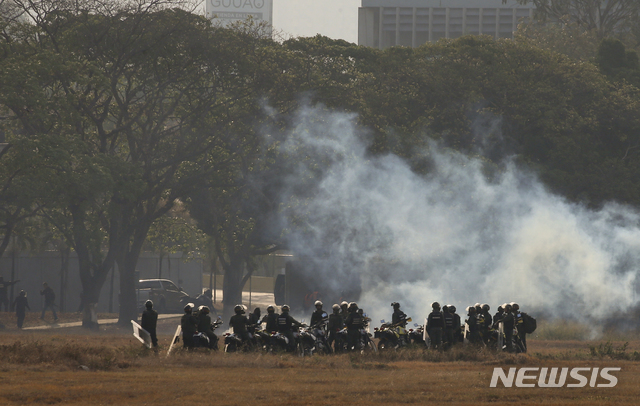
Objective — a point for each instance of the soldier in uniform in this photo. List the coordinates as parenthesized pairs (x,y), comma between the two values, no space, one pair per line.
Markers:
(239,323)
(206,328)
(354,324)
(344,310)
(335,324)
(398,317)
(254,320)
(435,326)
(149,322)
(449,324)
(457,325)
(472,322)
(508,323)
(189,325)
(318,315)
(286,324)
(519,324)
(271,319)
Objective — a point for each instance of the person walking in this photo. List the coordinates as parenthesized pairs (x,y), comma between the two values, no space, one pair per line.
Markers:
(49,299)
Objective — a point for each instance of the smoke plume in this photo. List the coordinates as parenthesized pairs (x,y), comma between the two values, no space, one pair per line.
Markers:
(455,236)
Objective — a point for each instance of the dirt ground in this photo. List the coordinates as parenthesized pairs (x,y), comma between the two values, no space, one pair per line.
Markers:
(70,366)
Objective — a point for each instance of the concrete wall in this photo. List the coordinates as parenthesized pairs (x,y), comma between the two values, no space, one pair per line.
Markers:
(34,269)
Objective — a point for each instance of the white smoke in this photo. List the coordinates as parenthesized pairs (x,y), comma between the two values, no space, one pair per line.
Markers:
(453,236)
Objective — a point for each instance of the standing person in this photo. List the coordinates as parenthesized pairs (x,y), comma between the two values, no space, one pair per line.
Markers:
(474,328)
(519,324)
(49,299)
(458,336)
(318,315)
(435,326)
(508,324)
(344,310)
(335,324)
(21,304)
(189,325)
(4,298)
(354,323)
(449,331)
(149,322)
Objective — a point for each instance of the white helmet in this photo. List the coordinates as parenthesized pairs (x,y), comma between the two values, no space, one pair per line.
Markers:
(317,303)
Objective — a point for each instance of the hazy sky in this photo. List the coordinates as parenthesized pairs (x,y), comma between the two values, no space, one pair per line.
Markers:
(336,19)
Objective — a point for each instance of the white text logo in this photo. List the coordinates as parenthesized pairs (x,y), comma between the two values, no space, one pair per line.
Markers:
(555,377)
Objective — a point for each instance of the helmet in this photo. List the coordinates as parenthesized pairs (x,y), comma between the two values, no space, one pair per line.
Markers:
(486,307)
(445,308)
(239,309)
(353,305)
(507,307)
(476,305)
(270,309)
(148,304)
(285,308)
(187,308)
(317,303)
(435,305)
(395,304)
(23,293)
(500,309)
(452,309)
(344,304)
(471,309)
(515,306)
(335,307)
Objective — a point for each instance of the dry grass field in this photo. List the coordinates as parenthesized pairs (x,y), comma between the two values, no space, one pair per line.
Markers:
(72,366)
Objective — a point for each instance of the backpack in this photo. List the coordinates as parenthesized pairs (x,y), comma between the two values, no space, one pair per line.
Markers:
(530,323)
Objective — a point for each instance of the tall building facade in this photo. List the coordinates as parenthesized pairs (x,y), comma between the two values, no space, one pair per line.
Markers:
(387,23)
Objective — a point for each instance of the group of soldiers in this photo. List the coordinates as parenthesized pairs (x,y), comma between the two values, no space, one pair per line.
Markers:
(443,325)
(505,330)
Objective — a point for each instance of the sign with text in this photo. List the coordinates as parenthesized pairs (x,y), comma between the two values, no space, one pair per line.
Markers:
(229,11)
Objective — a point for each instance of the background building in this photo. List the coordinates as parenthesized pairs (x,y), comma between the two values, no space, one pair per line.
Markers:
(230,11)
(386,23)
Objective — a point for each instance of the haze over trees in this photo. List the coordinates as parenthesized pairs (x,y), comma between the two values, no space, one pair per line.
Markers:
(116,115)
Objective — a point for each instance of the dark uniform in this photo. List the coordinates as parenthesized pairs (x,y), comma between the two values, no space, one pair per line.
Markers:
(189,324)
(354,323)
(204,326)
(21,303)
(149,321)
(457,327)
(399,318)
(317,317)
(519,324)
(286,324)
(49,298)
(435,327)
(239,323)
(449,330)
(335,324)
(508,323)
(474,329)
(271,320)
(254,321)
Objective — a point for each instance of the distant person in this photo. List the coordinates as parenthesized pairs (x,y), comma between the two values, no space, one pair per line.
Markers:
(336,323)
(318,315)
(435,326)
(286,326)
(4,297)
(254,320)
(149,322)
(21,304)
(49,299)
(189,324)
(271,319)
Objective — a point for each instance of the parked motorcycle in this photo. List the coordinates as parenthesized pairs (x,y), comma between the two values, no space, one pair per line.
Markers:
(201,340)
(391,335)
(416,336)
(314,340)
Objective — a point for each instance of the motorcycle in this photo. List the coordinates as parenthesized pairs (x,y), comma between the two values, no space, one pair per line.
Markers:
(232,342)
(391,335)
(201,340)
(366,343)
(416,336)
(313,340)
